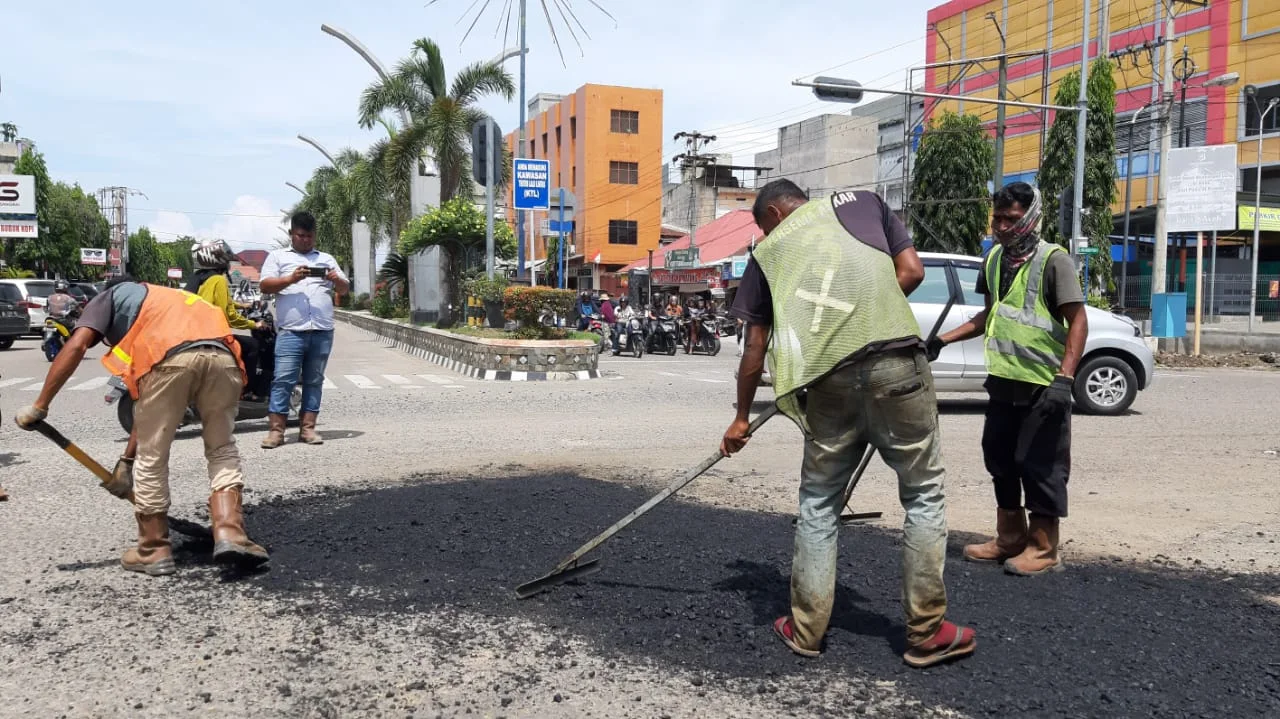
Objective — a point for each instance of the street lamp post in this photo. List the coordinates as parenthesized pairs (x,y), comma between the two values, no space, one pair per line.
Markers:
(1128,189)
(1251,92)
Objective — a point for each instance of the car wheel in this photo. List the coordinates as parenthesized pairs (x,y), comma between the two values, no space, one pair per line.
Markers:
(6,342)
(1105,385)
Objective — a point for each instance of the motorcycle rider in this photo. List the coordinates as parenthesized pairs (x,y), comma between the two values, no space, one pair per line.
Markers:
(189,345)
(61,305)
(622,316)
(212,261)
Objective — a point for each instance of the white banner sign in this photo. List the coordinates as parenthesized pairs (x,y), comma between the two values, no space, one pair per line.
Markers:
(93,256)
(175,273)
(1202,189)
(21,229)
(17,195)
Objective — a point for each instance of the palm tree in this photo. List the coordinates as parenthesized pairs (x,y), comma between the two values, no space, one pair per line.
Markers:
(8,132)
(441,115)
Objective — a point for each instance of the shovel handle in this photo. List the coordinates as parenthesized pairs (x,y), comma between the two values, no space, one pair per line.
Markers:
(76,453)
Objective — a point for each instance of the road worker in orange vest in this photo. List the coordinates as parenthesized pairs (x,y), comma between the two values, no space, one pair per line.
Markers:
(169,347)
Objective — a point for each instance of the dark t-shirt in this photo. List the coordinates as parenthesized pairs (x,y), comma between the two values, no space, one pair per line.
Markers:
(867,219)
(1061,287)
(112,313)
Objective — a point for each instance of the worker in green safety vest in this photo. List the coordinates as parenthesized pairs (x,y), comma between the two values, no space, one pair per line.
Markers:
(826,293)
(1034,328)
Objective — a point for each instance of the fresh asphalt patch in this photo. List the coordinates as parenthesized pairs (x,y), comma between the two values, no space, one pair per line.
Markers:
(695,588)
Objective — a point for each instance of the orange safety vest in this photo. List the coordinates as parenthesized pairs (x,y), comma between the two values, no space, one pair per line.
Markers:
(168,319)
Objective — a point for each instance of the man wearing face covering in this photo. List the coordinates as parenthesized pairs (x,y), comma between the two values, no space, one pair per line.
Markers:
(1034,328)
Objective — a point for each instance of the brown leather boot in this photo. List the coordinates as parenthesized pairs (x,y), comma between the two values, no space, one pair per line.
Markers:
(230,544)
(307,429)
(154,554)
(1041,554)
(4,496)
(1010,539)
(275,431)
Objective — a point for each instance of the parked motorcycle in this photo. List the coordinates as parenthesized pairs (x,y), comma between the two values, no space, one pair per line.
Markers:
(596,325)
(633,342)
(662,335)
(56,333)
(118,394)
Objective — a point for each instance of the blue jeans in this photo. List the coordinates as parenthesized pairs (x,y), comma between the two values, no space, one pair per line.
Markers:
(305,354)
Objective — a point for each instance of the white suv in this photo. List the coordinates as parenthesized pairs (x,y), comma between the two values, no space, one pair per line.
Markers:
(1116,364)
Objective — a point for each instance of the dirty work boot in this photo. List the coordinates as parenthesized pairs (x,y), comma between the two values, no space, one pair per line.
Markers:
(4,496)
(1010,539)
(230,544)
(154,554)
(1041,554)
(275,431)
(307,429)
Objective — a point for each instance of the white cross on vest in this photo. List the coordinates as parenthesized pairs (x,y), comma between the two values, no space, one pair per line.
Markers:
(822,301)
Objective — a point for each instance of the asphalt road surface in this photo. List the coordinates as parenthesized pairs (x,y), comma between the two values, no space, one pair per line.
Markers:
(396,547)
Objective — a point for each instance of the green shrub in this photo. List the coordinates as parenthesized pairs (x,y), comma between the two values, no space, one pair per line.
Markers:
(486,289)
(527,305)
(382,305)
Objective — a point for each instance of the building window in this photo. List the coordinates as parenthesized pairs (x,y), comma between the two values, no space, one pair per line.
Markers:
(624,173)
(625,121)
(624,232)
(1252,108)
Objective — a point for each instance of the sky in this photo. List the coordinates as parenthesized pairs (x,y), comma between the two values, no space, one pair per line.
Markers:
(197,105)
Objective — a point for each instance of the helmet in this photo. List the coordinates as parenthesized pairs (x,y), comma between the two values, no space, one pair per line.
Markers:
(212,255)
(61,286)
(623,300)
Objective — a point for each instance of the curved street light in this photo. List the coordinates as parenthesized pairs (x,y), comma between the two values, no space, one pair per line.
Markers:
(363,52)
(319,147)
(507,55)
(299,189)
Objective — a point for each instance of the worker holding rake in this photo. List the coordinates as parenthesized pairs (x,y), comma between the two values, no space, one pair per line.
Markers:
(829,284)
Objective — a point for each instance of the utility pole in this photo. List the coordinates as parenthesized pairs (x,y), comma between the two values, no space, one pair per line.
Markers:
(1160,261)
(519,153)
(692,159)
(998,180)
(1082,104)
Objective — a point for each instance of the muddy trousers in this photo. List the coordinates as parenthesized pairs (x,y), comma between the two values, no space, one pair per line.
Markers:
(888,401)
(210,380)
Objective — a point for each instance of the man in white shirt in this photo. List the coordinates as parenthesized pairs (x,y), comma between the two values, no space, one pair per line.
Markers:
(622,316)
(302,279)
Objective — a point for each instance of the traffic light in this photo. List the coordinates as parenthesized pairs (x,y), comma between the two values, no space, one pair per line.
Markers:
(837,89)
(482,154)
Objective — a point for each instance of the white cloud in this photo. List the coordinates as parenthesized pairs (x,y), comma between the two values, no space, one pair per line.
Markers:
(249,224)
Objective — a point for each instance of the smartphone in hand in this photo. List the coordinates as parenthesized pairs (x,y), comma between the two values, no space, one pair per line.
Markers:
(320,272)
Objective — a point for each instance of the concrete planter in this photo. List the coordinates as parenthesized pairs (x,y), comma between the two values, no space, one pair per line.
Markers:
(515,360)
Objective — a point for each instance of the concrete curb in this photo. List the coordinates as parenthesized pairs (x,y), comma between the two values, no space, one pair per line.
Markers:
(468,370)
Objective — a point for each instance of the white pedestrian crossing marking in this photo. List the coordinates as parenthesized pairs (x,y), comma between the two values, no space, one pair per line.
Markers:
(14,380)
(435,380)
(37,386)
(328,384)
(397,379)
(94,383)
(361,382)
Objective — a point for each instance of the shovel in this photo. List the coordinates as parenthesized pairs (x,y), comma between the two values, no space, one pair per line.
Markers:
(181,526)
(573,568)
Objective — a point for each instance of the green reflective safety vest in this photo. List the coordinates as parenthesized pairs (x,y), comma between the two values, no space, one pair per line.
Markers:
(832,296)
(1023,340)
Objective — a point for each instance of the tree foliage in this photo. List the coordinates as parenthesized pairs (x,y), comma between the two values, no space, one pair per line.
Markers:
(150,259)
(950,204)
(458,227)
(69,219)
(1057,171)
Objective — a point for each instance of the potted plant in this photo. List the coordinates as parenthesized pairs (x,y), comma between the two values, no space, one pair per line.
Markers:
(490,291)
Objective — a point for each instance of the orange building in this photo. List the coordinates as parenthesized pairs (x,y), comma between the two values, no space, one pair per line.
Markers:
(604,145)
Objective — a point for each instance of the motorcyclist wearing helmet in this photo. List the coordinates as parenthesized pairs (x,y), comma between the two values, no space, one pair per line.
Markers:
(61,305)
(622,316)
(212,261)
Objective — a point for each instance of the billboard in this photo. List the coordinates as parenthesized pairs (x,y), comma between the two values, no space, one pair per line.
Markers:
(20,229)
(93,256)
(17,195)
(1202,188)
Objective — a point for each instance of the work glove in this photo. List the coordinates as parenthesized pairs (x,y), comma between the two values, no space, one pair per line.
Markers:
(30,416)
(1055,400)
(933,348)
(121,484)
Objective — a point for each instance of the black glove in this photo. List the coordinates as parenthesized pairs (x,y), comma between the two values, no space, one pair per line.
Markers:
(1056,398)
(933,348)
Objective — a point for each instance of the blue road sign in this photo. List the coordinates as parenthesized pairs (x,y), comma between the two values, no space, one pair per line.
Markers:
(558,226)
(532,184)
